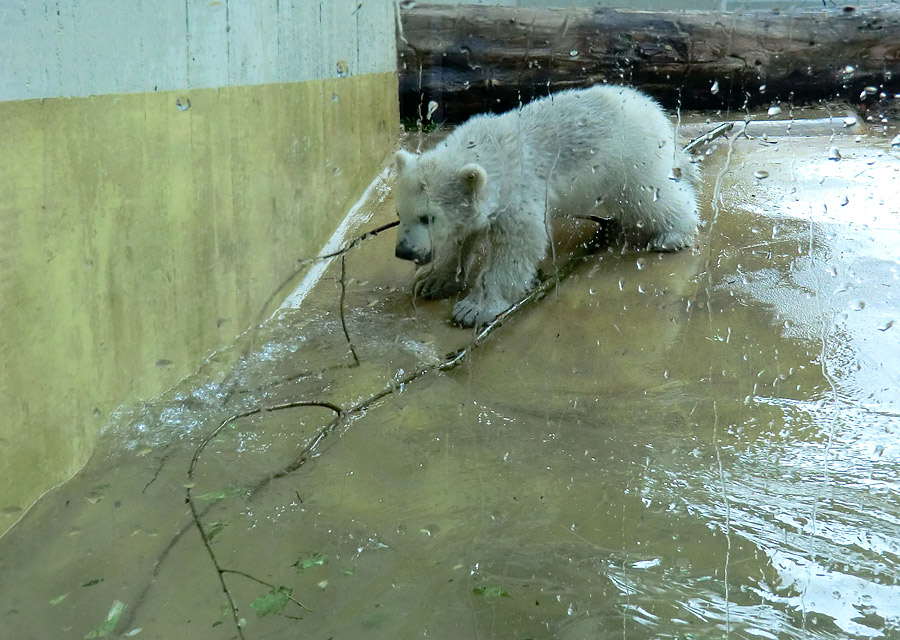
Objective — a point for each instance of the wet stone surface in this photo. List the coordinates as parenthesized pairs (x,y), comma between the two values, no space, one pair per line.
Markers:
(702,444)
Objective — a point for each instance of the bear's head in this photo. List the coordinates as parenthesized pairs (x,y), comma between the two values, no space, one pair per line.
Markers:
(437,206)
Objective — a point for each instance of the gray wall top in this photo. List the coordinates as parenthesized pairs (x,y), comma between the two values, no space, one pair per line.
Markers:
(68,48)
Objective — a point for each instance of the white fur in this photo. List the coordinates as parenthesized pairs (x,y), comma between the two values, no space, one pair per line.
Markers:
(484,194)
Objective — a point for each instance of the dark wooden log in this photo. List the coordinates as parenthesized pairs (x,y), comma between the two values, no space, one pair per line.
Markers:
(471,59)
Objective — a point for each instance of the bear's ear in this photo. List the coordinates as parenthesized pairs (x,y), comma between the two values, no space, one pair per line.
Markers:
(403,159)
(473,177)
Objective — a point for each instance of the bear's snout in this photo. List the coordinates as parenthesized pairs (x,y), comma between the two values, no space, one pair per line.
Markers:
(405,252)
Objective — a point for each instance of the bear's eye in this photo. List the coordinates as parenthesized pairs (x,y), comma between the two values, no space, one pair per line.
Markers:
(424,219)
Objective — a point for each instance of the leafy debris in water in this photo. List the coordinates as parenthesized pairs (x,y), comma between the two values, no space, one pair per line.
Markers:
(491,591)
(313,560)
(107,626)
(272,602)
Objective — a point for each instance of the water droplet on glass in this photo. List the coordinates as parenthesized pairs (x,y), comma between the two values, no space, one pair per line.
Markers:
(774,111)
(714,89)
(336,171)
(857,139)
(342,68)
(574,53)
(849,121)
(849,69)
(432,107)
(656,194)
(886,326)
(845,201)
(762,88)
(834,153)
(895,142)
(870,90)
(762,174)
(641,263)
(183,103)
(335,97)
(676,174)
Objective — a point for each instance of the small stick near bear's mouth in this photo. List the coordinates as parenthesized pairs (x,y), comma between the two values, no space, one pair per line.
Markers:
(303,262)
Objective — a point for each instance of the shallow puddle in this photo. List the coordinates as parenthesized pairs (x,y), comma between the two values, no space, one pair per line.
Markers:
(702,444)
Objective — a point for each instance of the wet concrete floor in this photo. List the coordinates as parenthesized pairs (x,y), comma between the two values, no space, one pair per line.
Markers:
(695,445)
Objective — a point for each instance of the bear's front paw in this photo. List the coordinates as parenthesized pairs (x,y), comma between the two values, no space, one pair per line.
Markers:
(431,286)
(472,313)
(669,241)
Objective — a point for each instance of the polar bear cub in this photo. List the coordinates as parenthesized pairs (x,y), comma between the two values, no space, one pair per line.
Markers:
(474,210)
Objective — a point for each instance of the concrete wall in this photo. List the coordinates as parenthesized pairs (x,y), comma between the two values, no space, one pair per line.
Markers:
(162,166)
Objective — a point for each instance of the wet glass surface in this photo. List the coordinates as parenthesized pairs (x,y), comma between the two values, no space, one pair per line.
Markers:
(690,445)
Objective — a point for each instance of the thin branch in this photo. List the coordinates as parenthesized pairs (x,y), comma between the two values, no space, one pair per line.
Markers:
(263,582)
(709,136)
(304,262)
(343,282)
(212,556)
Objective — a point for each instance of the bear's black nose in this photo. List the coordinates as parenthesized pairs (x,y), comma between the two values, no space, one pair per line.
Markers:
(405,252)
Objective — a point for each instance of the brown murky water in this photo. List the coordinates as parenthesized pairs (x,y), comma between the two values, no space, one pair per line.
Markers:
(694,445)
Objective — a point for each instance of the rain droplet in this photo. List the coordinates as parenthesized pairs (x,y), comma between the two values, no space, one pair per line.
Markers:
(849,121)
(342,68)
(714,89)
(834,153)
(762,174)
(895,142)
(886,326)
(183,103)
(574,53)
(641,263)
(849,69)
(845,201)
(774,111)
(432,107)
(870,90)
(857,139)
(676,174)
(762,88)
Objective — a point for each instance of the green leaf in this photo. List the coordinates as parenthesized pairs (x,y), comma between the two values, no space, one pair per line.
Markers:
(313,560)
(219,495)
(272,602)
(491,591)
(107,626)
(214,529)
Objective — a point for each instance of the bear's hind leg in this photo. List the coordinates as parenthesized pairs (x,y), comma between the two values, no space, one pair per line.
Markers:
(668,219)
